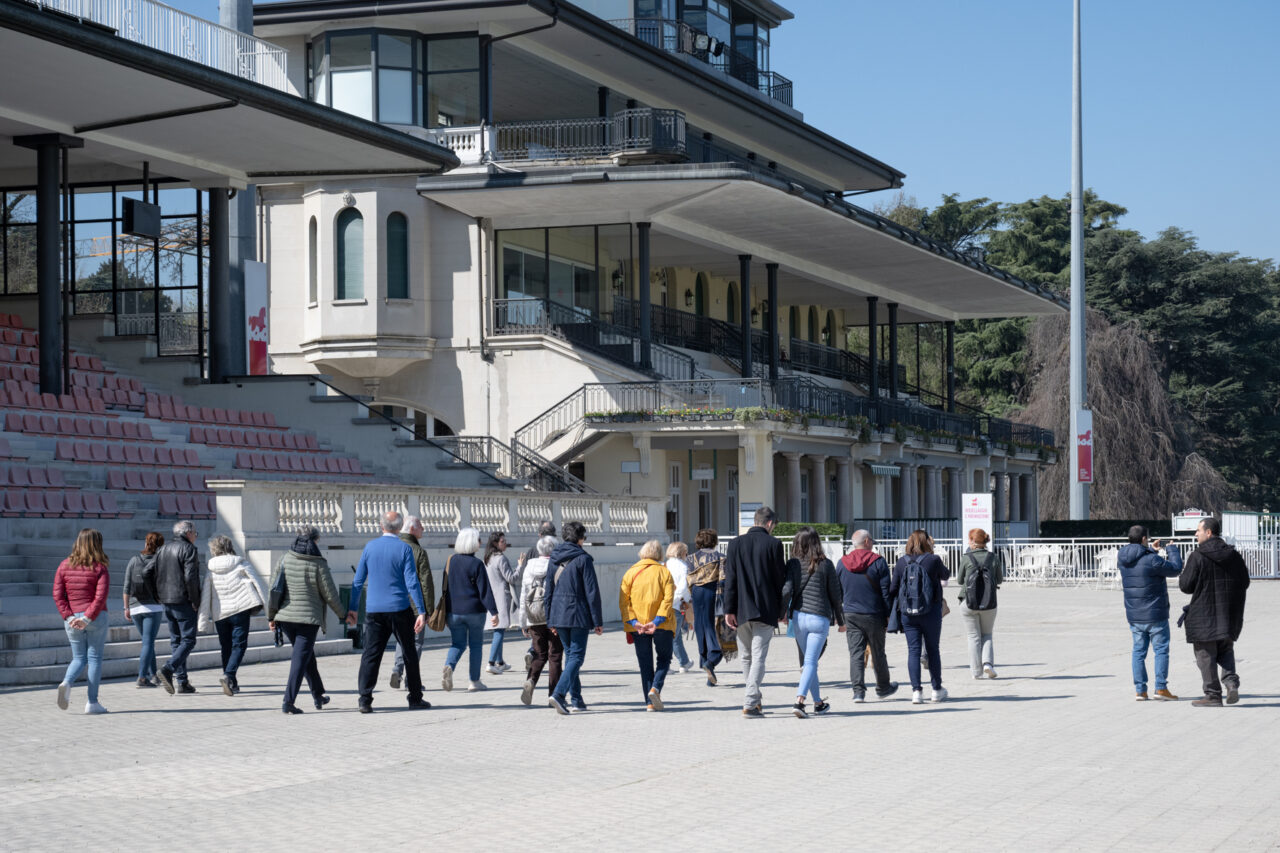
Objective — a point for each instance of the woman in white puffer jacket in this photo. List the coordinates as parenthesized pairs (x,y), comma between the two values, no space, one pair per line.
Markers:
(233,591)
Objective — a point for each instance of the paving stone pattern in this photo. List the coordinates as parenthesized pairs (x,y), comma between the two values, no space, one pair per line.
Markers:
(1055,754)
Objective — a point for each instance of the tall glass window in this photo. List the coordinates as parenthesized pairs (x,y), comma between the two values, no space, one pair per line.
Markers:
(453,81)
(350,261)
(395,78)
(313,261)
(397,256)
(351,64)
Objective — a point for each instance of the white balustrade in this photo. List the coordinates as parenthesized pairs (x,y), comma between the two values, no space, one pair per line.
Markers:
(369,509)
(629,517)
(440,513)
(531,512)
(489,513)
(589,512)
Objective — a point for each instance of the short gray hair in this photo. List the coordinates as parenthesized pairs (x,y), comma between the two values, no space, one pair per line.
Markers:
(182,528)
(392,521)
(309,532)
(468,541)
(220,545)
(860,538)
(412,521)
(546,545)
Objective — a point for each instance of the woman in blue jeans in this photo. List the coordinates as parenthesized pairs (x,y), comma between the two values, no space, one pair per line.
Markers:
(143,608)
(814,597)
(572,594)
(706,573)
(918,575)
(469,598)
(80,592)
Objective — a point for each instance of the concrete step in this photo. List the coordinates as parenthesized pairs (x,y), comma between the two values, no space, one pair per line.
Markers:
(129,647)
(51,674)
(13,590)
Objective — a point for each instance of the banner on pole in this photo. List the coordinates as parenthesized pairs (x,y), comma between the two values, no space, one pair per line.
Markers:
(1084,446)
(255,311)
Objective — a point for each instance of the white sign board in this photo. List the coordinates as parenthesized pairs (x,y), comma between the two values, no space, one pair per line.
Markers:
(703,472)
(975,511)
(747,515)
(257,330)
(1188,520)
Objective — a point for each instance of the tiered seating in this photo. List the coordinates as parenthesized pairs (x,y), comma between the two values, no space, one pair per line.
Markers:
(66,426)
(102,453)
(166,408)
(133,480)
(317,464)
(22,477)
(265,439)
(61,504)
(6,450)
(187,505)
(21,395)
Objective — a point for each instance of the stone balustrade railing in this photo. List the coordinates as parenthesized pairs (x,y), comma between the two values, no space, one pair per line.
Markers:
(265,514)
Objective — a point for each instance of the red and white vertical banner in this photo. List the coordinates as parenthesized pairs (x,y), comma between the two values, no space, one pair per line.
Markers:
(1082,438)
(257,332)
(976,511)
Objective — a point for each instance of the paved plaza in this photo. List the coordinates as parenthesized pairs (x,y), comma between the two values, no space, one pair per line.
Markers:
(1055,754)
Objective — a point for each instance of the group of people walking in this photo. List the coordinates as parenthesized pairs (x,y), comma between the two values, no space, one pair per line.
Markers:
(734,603)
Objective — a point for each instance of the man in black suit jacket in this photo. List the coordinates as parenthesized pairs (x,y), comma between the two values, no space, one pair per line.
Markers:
(754,572)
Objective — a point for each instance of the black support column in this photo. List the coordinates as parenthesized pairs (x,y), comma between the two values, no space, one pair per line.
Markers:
(772,270)
(221,357)
(744,273)
(893,350)
(873,348)
(951,365)
(646,298)
(49,148)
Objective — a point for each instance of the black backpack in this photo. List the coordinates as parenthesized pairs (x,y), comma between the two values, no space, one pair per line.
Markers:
(142,582)
(915,596)
(979,588)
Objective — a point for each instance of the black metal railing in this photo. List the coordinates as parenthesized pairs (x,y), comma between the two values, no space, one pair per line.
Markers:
(678,37)
(534,316)
(644,131)
(513,462)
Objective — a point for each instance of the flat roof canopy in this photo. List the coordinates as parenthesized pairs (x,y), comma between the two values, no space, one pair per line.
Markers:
(704,216)
(130,103)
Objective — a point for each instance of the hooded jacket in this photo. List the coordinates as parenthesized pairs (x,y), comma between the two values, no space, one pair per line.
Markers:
(232,585)
(1216,577)
(573,600)
(311,588)
(864,583)
(1142,574)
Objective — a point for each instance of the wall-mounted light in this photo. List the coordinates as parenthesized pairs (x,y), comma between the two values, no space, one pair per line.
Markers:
(755,316)
(688,298)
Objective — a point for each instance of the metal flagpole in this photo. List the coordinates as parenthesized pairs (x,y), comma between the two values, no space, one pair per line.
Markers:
(1081,419)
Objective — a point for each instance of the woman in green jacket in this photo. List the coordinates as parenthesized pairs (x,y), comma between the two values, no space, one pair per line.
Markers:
(980,616)
(310,588)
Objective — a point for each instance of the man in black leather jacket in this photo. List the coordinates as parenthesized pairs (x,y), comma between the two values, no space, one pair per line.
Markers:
(178,589)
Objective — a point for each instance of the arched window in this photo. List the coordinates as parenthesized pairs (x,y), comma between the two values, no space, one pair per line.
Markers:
(731,310)
(793,322)
(397,256)
(313,261)
(350,265)
(813,325)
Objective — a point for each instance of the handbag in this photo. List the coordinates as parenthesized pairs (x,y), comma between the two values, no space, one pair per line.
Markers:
(439,617)
(278,597)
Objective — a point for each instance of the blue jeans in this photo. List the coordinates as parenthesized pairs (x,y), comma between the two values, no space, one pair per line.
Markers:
(575,653)
(466,630)
(233,638)
(495,645)
(182,637)
(148,625)
(646,644)
(86,646)
(926,629)
(680,653)
(704,625)
(1146,634)
(811,636)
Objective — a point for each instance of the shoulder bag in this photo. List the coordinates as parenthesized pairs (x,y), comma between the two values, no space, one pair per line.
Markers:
(439,617)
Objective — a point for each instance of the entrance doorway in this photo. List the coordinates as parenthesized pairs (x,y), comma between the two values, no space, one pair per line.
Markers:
(730,522)
(674,483)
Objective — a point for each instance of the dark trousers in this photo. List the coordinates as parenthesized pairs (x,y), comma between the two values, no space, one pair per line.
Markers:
(863,630)
(926,629)
(704,625)
(548,651)
(182,637)
(233,638)
(378,630)
(303,665)
(1210,656)
(662,642)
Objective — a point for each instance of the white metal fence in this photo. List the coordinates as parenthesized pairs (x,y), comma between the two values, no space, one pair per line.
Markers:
(175,32)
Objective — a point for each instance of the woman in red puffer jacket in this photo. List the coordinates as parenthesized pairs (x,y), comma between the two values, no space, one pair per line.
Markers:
(80,591)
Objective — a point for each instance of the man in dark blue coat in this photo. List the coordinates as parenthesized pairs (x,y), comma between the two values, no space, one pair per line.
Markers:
(1144,573)
(572,593)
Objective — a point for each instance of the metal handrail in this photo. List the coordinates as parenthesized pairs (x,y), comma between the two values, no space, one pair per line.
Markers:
(515,462)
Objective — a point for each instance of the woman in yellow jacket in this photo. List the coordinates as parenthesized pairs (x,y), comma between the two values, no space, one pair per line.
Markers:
(645,601)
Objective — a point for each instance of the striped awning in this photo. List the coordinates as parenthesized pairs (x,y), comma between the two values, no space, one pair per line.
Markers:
(885,470)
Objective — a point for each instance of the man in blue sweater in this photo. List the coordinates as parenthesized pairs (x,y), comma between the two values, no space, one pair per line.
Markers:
(388,567)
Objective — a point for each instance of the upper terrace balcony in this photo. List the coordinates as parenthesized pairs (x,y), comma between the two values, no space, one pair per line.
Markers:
(175,32)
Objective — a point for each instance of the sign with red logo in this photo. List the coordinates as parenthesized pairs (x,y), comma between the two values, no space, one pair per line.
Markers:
(1084,446)
(976,512)
(257,333)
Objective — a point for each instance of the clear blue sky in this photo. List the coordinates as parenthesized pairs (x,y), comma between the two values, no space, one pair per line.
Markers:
(1182,102)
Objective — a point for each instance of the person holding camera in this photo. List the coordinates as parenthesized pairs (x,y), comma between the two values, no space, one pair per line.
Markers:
(1143,574)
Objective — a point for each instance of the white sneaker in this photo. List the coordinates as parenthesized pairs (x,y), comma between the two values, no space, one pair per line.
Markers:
(493,669)
(685,669)
(939,695)
(476,687)
(446,680)
(989,671)
(917,697)
(94,708)
(503,667)
(526,692)
(63,690)
(655,699)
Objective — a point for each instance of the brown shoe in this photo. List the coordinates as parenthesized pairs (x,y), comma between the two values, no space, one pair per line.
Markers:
(1141,697)
(1166,695)
(1208,702)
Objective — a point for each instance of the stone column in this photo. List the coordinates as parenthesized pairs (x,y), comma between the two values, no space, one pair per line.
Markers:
(818,489)
(906,492)
(955,488)
(1000,510)
(1030,511)
(793,486)
(927,506)
(844,490)
(1015,497)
